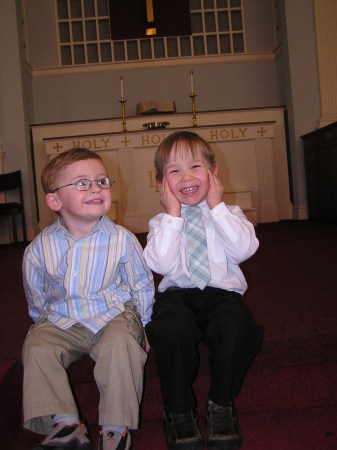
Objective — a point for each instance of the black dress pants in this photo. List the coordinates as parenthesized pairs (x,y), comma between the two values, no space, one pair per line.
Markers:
(181,319)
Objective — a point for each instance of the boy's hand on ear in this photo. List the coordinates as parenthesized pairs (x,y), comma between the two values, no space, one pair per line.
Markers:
(168,200)
(215,191)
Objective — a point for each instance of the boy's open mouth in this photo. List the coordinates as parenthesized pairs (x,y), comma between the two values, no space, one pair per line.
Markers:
(97,201)
(189,190)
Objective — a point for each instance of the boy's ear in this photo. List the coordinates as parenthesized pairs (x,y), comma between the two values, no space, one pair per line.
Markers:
(215,169)
(53,202)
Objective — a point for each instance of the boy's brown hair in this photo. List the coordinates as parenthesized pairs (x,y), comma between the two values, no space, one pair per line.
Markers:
(174,142)
(62,161)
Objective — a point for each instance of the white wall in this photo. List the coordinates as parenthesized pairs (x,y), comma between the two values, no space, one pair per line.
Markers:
(14,131)
(96,95)
(259,38)
(301,89)
(290,80)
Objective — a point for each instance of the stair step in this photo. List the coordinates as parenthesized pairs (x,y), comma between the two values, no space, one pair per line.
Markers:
(263,390)
(287,429)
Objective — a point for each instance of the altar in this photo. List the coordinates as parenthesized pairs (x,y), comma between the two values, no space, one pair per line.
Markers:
(250,149)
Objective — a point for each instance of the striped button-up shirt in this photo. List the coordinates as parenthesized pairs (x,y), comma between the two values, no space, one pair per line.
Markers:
(86,280)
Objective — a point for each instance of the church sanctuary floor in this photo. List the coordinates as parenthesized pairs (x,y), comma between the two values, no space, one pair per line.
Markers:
(288,400)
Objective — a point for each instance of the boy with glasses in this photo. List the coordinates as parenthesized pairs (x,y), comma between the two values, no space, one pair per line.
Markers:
(89,290)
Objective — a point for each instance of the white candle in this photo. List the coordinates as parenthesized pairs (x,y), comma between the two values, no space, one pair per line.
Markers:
(191,76)
(122,86)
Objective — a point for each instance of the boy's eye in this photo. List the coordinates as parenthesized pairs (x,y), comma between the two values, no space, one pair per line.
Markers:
(104,181)
(83,182)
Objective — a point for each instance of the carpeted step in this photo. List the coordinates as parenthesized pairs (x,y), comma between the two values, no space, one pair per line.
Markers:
(287,429)
(10,399)
(288,399)
(265,387)
(312,428)
(263,390)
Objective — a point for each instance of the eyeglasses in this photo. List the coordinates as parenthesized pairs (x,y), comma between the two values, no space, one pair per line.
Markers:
(85,185)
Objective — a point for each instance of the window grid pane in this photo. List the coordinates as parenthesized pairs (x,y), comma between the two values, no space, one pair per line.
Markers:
(77,30)
(172,47)
(64,32)
(185,46)
(66,55)
(208,4)
(89,8)
(75,9)
(132,50)
(79,54)
(159,48)
(145,49)
(119,51)
(62,9)
(212,45)
(104,30)
(90,29)
(106,52)
(198,45)
(210,22)
(225,44)
(238,43)
(84,33)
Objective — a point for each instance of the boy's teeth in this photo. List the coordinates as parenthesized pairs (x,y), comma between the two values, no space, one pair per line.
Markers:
(187,190)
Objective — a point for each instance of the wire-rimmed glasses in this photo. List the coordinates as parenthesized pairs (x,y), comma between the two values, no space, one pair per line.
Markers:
(85,185)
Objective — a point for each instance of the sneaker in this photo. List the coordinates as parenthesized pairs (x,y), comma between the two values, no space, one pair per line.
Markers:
(67,437)
(182,432)
(114,441)
(223,431)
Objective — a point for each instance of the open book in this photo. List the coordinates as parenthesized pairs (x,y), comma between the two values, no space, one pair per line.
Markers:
(153,107)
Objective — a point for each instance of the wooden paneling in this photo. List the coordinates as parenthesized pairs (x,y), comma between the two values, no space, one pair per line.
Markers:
(320,152)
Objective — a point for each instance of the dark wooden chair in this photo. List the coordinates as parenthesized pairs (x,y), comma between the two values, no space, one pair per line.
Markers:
(8,182)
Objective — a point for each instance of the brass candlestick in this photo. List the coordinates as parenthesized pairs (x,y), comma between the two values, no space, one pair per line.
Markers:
(123,101)
(193,95)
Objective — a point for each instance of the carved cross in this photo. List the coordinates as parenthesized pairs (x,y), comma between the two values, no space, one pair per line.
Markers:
(149,10)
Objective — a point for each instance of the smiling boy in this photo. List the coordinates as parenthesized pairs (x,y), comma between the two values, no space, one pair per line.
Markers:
(89,290)
(200,296)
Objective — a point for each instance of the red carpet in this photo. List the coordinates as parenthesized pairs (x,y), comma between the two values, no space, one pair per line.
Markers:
(289,398)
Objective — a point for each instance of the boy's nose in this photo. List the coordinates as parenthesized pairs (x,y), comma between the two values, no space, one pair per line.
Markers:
(186,175)
(95,187)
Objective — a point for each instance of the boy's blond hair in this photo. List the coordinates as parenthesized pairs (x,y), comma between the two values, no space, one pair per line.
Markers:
(60,162)
(177,141)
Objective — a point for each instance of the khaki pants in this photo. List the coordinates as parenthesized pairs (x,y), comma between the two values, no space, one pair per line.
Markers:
(118,372)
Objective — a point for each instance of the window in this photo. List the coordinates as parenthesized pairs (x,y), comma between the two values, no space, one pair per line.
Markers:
(84,34)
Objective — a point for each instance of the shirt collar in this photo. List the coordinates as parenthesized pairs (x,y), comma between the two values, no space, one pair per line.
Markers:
(202,205)
(105,225)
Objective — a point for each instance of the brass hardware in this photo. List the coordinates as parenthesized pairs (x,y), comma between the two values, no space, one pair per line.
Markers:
(151,31)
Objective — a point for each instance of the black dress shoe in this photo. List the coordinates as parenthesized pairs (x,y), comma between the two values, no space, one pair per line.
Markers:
(223,431)
(182,432)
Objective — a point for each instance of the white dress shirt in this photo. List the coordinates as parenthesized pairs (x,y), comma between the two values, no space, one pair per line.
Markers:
(230,237)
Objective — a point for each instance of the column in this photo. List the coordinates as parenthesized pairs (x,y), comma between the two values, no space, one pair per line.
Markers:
(268,209)
(326,37)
